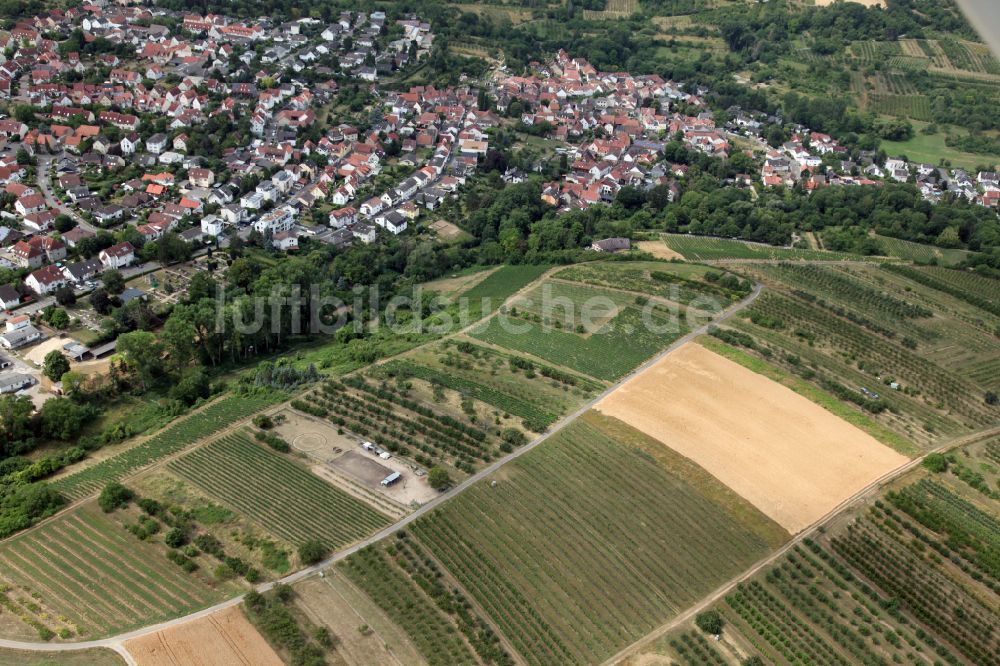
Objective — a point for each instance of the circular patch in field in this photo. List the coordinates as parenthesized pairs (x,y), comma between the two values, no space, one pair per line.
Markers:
(309,441)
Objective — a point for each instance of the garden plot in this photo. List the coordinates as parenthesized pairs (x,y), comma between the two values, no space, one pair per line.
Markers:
(789,457)
(225,638)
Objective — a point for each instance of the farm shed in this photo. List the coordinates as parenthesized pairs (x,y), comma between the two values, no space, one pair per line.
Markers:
(20,337)
(16,381)
(611,245)
(75,350)
(101,351)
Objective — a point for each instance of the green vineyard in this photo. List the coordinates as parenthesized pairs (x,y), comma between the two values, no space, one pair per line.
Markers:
(218,415)
(558,510)
(276,493)
(97,579)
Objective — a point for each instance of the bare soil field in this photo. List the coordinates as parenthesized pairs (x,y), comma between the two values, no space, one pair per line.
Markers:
(225,638)
(786,455)
(446,230)
(341,461)
(314,437)
(450,286)
(36,354)
(659,249)
(363,468)
(333,602)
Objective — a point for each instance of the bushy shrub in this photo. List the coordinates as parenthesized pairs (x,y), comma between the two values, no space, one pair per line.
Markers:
(114,496)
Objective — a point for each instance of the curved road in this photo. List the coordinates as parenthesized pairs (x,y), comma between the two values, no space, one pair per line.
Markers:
(116,643)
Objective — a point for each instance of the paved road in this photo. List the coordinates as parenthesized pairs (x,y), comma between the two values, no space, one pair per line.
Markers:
(40,304)
(45,186)
(115,642)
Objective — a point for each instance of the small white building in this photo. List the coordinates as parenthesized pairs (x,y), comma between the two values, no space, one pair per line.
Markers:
(14,382)
(117,256)
(212,225)
(275,221)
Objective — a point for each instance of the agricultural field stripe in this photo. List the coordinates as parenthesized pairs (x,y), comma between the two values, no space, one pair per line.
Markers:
(511,609)
(101,573)
(166,595)
(262,514)
(209,420)
(557,596)
(246,470)
(48,581)
(263,461)
(489,395)
(40,573)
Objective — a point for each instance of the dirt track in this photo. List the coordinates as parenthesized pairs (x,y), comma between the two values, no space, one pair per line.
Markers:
(786,455)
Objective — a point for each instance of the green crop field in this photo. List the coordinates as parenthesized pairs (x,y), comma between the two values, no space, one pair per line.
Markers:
(571,569)
(389,416)
(218,415)
(977,290)
(501,285)
(864,326)
(407,584)
(808,329)
(833,284)
(600,332)
(706,248)
(279,495)
(909,578)
(931,149)
(536,393)
(675,281)
(610,352)
(84,575)
(917,107)
(921,253)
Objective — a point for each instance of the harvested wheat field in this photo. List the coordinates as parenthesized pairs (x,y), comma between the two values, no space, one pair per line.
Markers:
(659,249)
(787,456)
(225,638)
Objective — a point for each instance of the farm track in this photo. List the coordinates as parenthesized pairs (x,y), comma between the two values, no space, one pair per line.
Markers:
(115,642)
(865,493)
(235,427)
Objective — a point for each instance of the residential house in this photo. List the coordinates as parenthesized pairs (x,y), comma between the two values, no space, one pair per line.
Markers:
(46,280)
(117,256)
(157,143)
(81,271)
(9,298)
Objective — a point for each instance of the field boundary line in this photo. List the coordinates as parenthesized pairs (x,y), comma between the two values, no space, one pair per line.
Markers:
(855,499)
(433,504)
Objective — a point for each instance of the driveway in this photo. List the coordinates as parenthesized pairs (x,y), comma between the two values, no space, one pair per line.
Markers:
(44,179)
